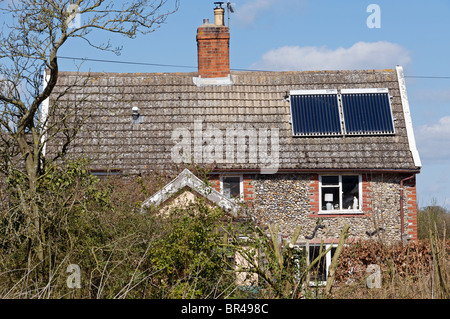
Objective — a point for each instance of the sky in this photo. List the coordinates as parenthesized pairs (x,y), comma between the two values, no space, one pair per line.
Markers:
(312,35)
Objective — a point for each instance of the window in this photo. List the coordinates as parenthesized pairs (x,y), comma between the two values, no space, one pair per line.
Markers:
(315,113)
(319,272)
(232,186)
(340,193)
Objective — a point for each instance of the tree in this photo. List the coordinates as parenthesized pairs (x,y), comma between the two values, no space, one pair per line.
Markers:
(30,44)
(434,218)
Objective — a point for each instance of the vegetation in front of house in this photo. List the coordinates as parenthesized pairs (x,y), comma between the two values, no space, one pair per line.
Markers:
(123,253)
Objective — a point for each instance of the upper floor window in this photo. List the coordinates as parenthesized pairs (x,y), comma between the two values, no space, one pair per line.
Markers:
(340,193)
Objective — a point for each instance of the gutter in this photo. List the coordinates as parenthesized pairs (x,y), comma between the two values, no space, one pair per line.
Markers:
(402,222)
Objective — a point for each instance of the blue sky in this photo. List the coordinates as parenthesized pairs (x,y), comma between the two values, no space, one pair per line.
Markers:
(317,34)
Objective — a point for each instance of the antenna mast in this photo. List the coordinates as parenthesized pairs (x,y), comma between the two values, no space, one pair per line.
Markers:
(229,9)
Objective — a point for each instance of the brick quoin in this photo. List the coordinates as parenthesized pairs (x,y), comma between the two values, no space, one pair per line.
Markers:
(314,194)
(366,194)
(411,206)
(248,189)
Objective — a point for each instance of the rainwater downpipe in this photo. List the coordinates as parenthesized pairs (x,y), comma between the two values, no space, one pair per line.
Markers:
(402,222)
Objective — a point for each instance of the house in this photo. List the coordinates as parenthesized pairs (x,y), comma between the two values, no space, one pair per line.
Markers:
(317,148)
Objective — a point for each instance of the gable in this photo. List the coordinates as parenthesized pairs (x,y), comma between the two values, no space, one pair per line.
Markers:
(187,180)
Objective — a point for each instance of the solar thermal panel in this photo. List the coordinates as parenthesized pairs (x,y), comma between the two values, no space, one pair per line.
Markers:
(315,113)
(367,112)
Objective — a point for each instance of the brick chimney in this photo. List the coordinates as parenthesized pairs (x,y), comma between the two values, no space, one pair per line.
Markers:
(213,45)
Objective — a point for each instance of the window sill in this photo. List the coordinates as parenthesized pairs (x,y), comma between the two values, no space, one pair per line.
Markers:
(349,212)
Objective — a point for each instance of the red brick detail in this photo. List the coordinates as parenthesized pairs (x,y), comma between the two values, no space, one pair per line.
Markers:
(366,194)
(248,188)
(215,182)
(213,45)
(314,201)
(411,206)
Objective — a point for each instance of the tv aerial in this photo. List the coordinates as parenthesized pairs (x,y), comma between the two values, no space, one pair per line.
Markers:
(230,9)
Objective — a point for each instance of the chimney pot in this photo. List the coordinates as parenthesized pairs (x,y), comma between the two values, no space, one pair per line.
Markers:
(219,16)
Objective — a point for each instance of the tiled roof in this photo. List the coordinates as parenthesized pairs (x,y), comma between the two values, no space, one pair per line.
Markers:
(170,101)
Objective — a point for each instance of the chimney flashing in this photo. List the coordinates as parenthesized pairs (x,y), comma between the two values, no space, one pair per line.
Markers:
(224,81)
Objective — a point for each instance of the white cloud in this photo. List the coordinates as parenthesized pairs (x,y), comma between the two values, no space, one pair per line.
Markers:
(362,55)
(433,140)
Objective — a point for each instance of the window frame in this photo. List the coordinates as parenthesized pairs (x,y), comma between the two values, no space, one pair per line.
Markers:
(241,185)
(341,210)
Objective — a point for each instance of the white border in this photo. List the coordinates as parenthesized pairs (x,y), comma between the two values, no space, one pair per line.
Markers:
(310,92)
(364,90)
(407,116)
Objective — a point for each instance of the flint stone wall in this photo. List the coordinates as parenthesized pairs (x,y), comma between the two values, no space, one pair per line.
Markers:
(288,201)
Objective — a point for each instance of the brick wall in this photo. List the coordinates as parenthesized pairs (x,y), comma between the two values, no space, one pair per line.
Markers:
(411,209)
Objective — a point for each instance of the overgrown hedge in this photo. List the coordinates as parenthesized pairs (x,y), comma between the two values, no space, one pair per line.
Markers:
(412,260)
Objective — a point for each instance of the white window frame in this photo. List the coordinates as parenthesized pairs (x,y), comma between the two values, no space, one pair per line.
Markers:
(241,185)
(328,259)
(341,210)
